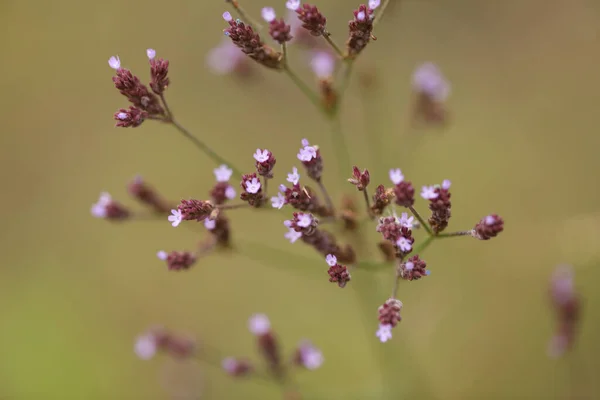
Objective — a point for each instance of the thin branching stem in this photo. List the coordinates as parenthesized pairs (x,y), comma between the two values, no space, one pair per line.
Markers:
(421,220)
(327,197)
(340,146)
(170,119)
(455,234)
(368,202)
(381,12)
(232,206)
(303,87)
(334,46)
(424,245)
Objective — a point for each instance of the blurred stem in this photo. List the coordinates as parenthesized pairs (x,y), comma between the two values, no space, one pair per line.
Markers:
(424,245)
(170,119)
(284,53)
(368,203)
(334,46)
(232,206)
(340,146)
(244,16)
(345,78)
(381,12)
(303,87)
(421,220)
(266,186)
(326,195)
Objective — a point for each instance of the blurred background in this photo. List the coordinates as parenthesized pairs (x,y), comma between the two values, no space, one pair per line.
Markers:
(75,291)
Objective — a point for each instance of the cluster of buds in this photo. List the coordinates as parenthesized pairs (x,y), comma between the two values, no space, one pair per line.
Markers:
(191,210)
(567,306)
(264,162)
(145,104)
(310,16)
(360,179)
(412,269)
(158,339)
(439,204)
(398,231)
(337,273)
(488,227)
(389,316)
(109,209)
(299,197)
(177,260)
(404,192)
(361,28)
(244,37)
(279,30)
(147,195)
(252,190)
(306,354)
(431,90)
(312,160)
(323,66)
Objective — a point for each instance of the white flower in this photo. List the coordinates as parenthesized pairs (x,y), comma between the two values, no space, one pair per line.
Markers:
(114,62)
(223,173)
(253,186)
(490,220)
(308,152)
(151,53)
(145,347)
(446,184)
(99,208)
(360,16)
(409,266)
(288,223)
(293,4)
(259,324)
(331,260)
(311,357)
(268,14)
(428,79)
(261,155)
(162,255)
(396,176)
(384,333)
(227,16)
(122,116)
(406,221)
(294,177)
(322,64)
(225,58)
(292,235)
(304,220)
(230,192)
(429,193)
(373,4)
(404,244)
(210,224)
(278,201)
(175,218)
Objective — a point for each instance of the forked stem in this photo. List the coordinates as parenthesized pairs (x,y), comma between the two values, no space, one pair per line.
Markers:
(334,46)
(327,197)
(422,221)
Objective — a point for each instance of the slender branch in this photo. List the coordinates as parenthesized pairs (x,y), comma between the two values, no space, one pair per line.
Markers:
(170,119)
(381,12)
(340,146)
(424,245)
(345,78)
(326,195)
(454,234)
(303,87)
(245,16)
(421,220)
(266,186)
(284,53)
(368,203)
(327,37)
(232,206)
(397,282)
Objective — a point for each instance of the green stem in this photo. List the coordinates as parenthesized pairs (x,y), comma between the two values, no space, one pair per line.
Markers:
(303,87)
(327,37)
(327,197)
(340,146)
(424,245)
(345,79)
(381,12)
(454,234)
(170,119)
(421,220)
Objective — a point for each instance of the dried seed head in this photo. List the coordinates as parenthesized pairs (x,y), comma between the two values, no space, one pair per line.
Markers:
(190,210)
(244,37)
(130,118)
(360,30)
(308,356)
(137,93)
(381,199)
(488,227)
(237,367)
(159,70)
(177,260)
(109,209)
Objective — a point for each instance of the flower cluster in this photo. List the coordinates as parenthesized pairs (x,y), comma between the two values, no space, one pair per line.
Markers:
(332,228)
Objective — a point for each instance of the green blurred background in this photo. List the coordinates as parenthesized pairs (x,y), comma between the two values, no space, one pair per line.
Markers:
(76,291)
